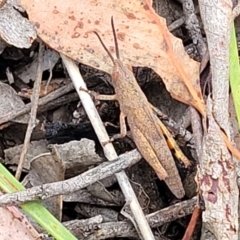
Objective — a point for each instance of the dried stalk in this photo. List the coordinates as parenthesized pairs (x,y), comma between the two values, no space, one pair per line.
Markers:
(33,114)
(109,150)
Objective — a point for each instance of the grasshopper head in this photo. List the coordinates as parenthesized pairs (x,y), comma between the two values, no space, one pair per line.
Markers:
(121,72)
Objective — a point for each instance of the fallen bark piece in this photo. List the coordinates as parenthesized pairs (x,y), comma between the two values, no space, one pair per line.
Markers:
(218,183)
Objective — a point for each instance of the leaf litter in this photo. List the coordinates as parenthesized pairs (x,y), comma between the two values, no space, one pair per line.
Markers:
(70,31)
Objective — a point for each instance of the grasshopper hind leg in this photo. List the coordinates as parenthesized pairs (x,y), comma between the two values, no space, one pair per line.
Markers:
(149,155)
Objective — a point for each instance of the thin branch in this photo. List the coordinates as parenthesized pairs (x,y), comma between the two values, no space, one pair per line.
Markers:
(33,114)
(42,101)
(193,26)
(71,185)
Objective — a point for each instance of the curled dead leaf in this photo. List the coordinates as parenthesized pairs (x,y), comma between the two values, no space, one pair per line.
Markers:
(144,40)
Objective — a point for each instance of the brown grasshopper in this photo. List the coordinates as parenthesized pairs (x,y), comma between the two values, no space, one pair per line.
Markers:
(143,123)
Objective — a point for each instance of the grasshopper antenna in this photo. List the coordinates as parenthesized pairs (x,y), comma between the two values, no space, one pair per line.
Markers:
(104,46)
(115,39)
(115,42)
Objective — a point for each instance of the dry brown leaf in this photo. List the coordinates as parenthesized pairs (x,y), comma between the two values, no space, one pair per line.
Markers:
(14,225)
(144,40)
(45,89)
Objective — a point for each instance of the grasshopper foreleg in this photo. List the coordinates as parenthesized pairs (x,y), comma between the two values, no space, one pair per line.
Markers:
(98,96)
(123,128)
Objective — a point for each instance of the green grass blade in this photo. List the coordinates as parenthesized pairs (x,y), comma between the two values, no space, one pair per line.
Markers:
(9,184)
(235,73)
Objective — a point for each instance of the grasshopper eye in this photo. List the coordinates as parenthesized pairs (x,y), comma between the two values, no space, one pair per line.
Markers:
(129,67)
